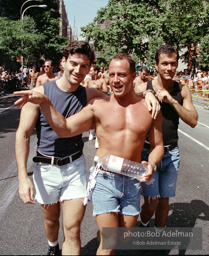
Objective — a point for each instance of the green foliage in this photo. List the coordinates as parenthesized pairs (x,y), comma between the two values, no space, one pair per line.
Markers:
(34,37)
(204,51)
(18,37)
(140,27)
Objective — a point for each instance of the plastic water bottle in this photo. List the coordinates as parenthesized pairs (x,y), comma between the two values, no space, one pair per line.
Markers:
(122,166)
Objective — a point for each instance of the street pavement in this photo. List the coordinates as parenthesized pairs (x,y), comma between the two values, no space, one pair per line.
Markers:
(22,232)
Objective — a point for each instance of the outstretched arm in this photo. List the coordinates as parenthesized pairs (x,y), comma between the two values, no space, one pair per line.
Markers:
(69,127)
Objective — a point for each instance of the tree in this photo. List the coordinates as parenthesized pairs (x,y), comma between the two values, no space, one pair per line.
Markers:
(138,28)
(185,22)
(18,38)
(39,34)
(203,55)
(126,26)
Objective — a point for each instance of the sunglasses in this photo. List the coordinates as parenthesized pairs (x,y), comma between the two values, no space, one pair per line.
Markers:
(46,66)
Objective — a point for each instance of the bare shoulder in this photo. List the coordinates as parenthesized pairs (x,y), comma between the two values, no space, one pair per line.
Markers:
(94,93)
(185,92)
(140,87)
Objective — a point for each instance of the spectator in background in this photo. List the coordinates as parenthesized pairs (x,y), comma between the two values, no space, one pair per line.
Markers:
(61,67)
(48,75)
(33,75)
(142,78)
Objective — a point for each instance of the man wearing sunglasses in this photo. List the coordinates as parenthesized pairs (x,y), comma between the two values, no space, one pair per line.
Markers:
(48,73)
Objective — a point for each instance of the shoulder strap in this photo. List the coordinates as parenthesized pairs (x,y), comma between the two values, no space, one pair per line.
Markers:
(149,85)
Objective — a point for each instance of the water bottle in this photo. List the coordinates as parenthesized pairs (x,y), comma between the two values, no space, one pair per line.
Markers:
(122,166)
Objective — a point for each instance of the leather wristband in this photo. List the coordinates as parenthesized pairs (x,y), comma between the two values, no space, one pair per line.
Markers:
(148,90)
(154,165)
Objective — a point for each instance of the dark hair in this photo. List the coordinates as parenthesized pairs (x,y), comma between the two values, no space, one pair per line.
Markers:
(79,47)
(144,68)
(166,49)
(95,67)
(48,60)
(122,56)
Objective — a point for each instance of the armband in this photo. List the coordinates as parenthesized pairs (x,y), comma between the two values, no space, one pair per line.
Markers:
(154,165)
(148,90)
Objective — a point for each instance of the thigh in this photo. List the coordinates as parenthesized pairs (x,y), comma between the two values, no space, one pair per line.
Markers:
(73,213)
(169,173)
(74,180)
(130,201)
(127,221)
(107,192)
(51,212)
(47,181)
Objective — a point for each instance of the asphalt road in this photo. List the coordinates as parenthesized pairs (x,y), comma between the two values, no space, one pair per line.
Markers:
(21,231)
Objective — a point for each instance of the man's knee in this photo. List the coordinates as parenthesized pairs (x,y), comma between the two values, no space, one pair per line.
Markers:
(164,202)
(150,203)
(72,231)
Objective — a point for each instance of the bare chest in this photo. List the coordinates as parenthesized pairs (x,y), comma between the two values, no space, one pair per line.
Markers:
(133,118)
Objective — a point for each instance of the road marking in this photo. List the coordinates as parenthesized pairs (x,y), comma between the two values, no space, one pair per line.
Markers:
(198,142)
(203,125)
(13,106)
(9,188)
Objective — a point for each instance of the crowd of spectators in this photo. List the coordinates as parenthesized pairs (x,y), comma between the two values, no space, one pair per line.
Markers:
(11,81)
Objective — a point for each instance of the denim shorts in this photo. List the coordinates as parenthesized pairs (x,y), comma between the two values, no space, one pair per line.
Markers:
(116,193)
(163,182)
(58,183)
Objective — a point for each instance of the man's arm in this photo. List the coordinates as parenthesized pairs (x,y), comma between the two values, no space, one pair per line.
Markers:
(29,79)
(152,103)
(27,123)
(104,86)
(69,127)
(187,111)
(38,81)
(73,125)
(156,147)
(93,93)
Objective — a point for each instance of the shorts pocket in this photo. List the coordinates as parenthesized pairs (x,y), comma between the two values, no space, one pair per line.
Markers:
(175,152)
(42,167)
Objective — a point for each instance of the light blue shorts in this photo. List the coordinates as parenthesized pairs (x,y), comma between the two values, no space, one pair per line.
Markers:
(116,193)
(164,180)
(58,183)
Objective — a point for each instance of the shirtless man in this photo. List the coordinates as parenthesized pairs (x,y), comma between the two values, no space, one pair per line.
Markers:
(142,78)
(121,133)
(33,75)
(48,75)
(95,81)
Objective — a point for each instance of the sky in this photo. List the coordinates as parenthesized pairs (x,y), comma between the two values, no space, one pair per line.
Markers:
(84,11)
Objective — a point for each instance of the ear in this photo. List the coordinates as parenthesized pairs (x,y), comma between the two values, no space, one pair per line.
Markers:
(156,66)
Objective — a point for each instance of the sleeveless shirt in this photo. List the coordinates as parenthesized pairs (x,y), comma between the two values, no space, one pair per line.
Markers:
(170,117)
(66,103)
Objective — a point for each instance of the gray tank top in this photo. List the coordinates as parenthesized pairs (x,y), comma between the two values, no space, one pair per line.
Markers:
(66,103)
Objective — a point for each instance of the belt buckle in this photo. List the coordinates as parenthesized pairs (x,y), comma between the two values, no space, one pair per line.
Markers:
(58,162)
(166,149)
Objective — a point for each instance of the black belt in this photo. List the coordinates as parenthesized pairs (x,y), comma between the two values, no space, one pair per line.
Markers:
(56,160)
(166,148)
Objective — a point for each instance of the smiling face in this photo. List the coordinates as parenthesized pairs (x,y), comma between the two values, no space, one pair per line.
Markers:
(120,77)
(167,65)
(76,67)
